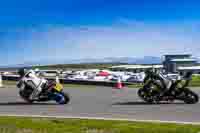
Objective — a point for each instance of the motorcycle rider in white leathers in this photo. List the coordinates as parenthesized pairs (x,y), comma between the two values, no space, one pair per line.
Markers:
(38,72)
(31,79)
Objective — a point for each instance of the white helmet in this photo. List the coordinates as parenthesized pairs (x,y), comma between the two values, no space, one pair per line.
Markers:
(37,70)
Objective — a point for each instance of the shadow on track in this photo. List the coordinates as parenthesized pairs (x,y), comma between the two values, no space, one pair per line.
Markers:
(24,103)
(145,103)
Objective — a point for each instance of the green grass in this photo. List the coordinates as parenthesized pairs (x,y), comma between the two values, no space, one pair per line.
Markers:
(135,85)
(44,125)
(80,66)
(9,82)
(195,81)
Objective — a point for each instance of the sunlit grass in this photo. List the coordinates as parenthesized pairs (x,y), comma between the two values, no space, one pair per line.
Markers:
(44,125)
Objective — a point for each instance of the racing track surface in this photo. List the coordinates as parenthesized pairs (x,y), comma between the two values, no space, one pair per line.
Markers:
(100,102)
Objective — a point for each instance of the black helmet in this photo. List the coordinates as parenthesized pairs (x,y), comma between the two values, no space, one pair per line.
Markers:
(21,72)
(188,74)
(149,71)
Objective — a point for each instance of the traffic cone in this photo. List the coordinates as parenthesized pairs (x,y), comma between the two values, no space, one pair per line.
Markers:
(119,90)
(119,84)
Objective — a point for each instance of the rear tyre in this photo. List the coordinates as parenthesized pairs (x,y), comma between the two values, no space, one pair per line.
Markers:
(67,98)
(62,98)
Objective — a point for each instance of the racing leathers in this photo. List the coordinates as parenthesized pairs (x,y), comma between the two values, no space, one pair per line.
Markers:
(158,76)
(32,80)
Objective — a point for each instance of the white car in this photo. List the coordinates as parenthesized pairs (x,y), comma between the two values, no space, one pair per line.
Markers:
(99,78)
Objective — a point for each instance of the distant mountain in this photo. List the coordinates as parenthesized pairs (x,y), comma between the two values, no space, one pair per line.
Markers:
(148,60)
(198,59)
(103,60)
(127,60)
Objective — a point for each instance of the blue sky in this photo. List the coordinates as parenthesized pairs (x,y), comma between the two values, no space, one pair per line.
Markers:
(38,30)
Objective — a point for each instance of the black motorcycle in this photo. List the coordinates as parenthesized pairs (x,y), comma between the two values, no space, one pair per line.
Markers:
(154,89)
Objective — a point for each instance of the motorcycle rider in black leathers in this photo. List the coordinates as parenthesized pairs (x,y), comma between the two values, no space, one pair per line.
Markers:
(154,76)
(166,82)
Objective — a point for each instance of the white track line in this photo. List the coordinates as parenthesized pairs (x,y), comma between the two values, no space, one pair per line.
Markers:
(101,118)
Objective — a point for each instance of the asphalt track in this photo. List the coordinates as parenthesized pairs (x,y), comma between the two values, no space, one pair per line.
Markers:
(101,102)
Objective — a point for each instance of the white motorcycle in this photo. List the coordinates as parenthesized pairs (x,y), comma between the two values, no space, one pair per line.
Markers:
(51,91)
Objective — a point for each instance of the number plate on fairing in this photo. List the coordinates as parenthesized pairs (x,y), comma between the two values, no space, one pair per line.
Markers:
(58,87)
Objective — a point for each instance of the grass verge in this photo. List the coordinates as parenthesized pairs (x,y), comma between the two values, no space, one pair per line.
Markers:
(9,82)
(45,125)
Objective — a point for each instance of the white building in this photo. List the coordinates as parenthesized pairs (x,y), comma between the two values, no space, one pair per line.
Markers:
(194,69)
(135,68)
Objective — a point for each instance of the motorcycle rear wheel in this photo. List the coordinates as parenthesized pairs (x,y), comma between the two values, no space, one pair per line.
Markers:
(67,97)
(62,98)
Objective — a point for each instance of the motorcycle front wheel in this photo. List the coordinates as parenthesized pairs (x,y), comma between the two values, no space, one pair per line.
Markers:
(25,97)
(150,93)
(190,97)
(143,94)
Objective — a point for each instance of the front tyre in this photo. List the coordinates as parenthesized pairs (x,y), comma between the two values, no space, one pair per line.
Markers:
(24,96)
(190,97)
(150,93)
(143,94)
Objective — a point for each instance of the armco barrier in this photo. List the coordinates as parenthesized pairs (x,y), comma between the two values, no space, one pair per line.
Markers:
(88,82)
(66,81)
